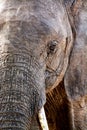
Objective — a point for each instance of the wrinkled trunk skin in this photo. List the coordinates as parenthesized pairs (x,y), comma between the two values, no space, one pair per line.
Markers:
(19,97)
(35,124)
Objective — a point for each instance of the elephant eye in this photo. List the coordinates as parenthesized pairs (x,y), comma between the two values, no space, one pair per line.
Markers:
(52,47)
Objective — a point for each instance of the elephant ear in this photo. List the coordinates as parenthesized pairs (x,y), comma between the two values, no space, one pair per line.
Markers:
(75,79)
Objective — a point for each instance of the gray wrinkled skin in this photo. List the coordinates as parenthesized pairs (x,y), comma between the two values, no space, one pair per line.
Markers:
(35,43)
(76,75)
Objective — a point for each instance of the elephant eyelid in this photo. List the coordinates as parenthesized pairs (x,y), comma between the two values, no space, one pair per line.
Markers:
(51,47)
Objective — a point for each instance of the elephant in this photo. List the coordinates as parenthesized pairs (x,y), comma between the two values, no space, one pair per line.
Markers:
(43,62)
(40,44)
(36,40)
(66,106)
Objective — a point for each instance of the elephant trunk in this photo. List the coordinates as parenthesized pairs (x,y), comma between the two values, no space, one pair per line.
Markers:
(14,111)
(21,95)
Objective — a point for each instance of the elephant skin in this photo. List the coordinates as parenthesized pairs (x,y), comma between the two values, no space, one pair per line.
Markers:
(76,75)
(36,40)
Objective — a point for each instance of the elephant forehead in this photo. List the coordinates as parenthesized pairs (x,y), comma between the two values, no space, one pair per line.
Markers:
(51,13)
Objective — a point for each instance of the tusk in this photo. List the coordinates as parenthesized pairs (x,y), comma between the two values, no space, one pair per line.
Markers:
(42,119)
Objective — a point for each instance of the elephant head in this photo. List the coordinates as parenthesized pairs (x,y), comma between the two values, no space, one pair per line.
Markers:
(36,40)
